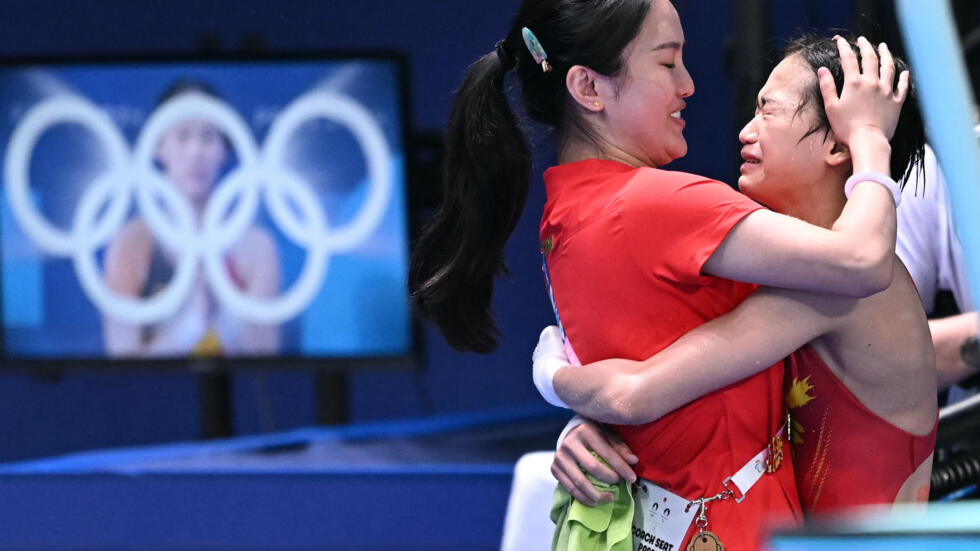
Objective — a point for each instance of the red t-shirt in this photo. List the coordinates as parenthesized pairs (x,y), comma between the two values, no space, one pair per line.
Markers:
(627,246)
(845,454)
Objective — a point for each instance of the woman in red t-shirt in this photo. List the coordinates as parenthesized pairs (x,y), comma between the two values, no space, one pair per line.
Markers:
(609,78)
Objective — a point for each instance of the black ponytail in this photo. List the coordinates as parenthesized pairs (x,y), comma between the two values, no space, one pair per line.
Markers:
(485,186)
(488,163)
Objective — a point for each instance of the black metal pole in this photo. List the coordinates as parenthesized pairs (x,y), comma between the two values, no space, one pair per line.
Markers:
(332,397)
(214,404)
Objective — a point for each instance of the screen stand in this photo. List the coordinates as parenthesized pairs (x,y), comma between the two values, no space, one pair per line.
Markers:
(214,404)
(331,397)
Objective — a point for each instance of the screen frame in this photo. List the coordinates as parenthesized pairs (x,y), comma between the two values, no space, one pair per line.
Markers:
(411,360)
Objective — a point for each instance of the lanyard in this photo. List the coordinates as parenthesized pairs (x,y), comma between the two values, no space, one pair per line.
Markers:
(551,295)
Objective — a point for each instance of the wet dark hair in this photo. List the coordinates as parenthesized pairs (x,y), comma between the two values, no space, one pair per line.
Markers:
(488,163)
(908,143)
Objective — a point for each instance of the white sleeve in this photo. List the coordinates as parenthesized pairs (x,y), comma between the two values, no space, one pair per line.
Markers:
(919,226)
(548,357)
(572,423)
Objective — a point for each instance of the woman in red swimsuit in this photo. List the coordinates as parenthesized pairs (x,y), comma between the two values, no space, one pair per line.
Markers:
(191,155)
(862,393)
(624,240)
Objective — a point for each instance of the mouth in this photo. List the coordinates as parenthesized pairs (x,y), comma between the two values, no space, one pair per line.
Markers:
(751,162)
(677,114)
(678,119)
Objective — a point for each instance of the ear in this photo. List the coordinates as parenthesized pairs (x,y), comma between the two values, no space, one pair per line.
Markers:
(581,84)
(836,152)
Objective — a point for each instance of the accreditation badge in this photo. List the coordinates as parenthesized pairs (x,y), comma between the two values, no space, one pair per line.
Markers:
(660,518)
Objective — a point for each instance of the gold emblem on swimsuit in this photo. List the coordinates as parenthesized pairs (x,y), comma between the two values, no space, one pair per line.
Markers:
(797,396)
(547,245)
(705,541)
(775,458)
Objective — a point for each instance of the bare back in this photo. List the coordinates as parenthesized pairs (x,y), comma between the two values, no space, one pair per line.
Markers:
(882,352)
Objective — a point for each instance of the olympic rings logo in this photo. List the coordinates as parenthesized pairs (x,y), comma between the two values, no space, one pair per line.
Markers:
(260,176)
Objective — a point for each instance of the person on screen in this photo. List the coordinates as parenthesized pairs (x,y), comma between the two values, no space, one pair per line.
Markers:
(192,155)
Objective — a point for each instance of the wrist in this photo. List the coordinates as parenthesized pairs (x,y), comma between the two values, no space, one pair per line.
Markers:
(573,423)
(875,177)
(870,150)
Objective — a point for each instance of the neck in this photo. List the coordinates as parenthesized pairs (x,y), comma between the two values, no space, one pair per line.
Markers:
(580,149)
(822,207)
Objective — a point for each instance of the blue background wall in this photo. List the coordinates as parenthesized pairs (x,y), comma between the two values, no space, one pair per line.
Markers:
(76,410)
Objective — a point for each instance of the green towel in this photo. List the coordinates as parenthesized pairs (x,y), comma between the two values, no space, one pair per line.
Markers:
(605,527)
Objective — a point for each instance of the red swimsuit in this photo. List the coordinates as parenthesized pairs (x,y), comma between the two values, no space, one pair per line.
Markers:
(846,455)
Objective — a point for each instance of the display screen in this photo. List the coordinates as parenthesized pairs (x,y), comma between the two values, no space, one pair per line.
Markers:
(176,209)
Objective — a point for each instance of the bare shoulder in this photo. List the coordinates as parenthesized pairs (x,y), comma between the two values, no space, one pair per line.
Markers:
(885,358)
(883,353)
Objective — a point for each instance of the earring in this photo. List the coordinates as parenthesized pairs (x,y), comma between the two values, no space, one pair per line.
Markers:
(596,103)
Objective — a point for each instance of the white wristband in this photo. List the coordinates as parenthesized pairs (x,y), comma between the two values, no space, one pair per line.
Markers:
(877,177)
(548,358)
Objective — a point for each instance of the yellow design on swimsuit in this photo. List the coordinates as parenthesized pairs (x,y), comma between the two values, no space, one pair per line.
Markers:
(797,396)
(208,346)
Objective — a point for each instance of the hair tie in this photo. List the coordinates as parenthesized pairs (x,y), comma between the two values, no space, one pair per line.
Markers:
(507,60)
(537,50)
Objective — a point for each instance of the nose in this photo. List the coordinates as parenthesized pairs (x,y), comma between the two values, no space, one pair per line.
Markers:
(686,84)
(748,134)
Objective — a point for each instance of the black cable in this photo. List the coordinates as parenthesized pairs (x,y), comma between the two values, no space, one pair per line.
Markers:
(957,472)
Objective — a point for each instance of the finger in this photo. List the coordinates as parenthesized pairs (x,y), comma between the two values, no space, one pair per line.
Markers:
(586,490)
(902,91)
(869,59)
(566,483)
(622,448)
(590,464)
(848,61)
(616,455)
(579,485)
(827,87)
(887,68)
(571,478)
(626,453)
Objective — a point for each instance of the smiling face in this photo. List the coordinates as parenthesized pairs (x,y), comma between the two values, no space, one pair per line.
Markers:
(785,162)
(642,105)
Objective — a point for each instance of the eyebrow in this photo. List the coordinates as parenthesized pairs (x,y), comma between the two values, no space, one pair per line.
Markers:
(667,46)
(762,101)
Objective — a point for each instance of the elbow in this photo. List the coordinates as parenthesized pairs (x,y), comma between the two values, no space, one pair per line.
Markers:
(872,272)
(624,403)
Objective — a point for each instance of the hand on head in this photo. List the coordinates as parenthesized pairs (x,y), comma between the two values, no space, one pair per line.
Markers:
(868,101)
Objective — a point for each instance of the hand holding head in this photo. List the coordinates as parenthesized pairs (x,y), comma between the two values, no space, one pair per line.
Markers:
(868,100)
